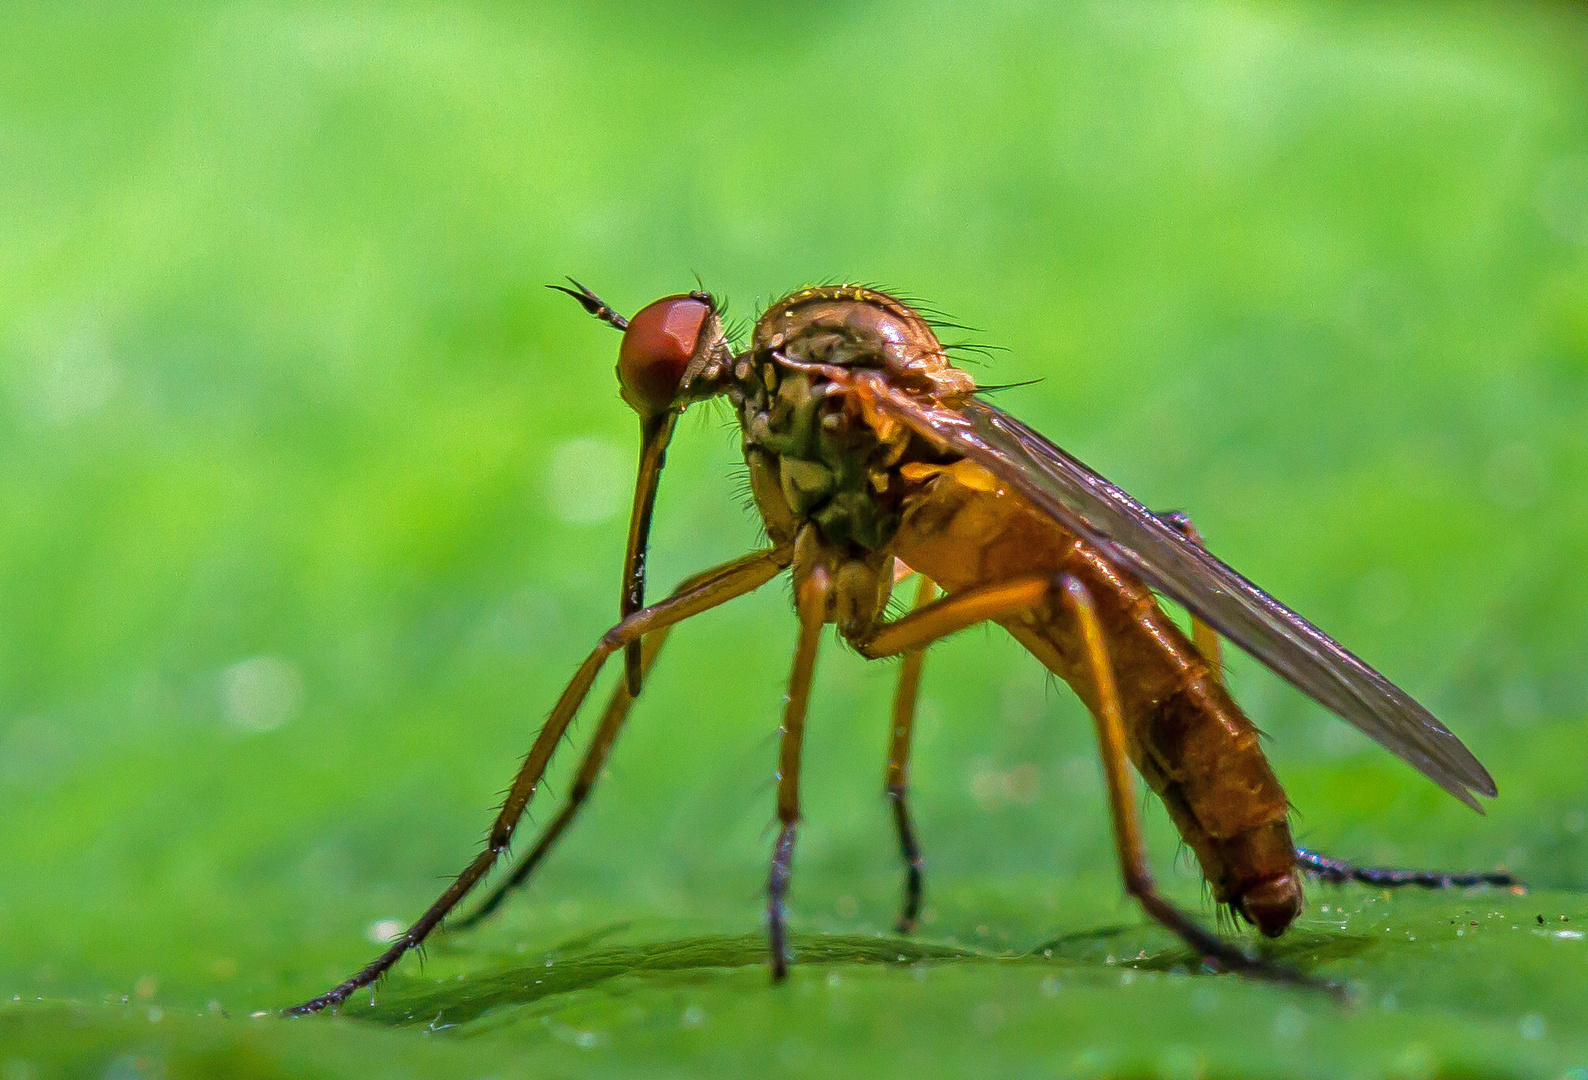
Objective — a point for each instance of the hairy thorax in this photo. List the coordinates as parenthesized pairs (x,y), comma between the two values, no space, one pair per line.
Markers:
(853,492)
(814,458)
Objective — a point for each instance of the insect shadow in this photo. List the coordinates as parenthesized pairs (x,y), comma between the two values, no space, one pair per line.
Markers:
(1130,946)
(468,1005)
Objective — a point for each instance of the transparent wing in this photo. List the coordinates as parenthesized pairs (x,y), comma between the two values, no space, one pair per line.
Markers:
(1135,538)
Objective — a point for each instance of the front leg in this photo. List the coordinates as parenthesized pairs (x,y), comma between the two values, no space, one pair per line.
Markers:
(600,745)
(813,596)
(733,579)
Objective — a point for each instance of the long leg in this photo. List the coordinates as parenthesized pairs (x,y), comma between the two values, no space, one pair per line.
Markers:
(896,781)
(1338,871)
(717,587)
(812,597)
(1127,822)
(965,608)
(953,613)
(617,711)
(1203,636)
(612,720)
(1335,871)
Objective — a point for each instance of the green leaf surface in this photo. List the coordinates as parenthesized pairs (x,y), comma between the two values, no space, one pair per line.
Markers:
(313,497)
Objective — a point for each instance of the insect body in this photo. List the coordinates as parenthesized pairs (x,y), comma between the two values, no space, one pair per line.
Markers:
(870,457)
(955,524)
(1187,738)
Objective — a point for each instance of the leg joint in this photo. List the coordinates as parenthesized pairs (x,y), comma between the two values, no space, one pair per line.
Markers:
(1139,883)
(1066,589)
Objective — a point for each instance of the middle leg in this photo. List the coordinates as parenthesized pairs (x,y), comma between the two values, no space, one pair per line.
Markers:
(1203,636)
(617,711)
(728,581)
(612,719)
(812,600)
(896,781)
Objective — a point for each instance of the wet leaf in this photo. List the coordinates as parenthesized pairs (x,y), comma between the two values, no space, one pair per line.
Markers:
(303,524)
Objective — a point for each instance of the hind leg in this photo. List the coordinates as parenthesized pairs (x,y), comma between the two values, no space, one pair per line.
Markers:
(1324,867)
(1109,717)
(1338,872)
(994,602)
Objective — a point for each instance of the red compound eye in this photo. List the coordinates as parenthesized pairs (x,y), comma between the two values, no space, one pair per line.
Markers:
(661,339)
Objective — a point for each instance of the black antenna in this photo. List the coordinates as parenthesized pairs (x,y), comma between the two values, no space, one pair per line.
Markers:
(593,304)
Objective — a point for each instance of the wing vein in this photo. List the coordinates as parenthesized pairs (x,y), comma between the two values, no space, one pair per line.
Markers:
(1138,540)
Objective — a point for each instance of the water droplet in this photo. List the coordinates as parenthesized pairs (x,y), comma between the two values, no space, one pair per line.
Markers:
(384,931)
(261,693)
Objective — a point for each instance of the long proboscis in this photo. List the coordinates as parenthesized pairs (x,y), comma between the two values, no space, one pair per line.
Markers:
(655,433)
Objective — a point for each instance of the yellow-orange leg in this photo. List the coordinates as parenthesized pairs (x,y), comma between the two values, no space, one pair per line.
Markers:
(952,613)
(897,779)
(617,711)
(716,587)
(1315,863)
(1110,719)
(1203,636)
(812,599)
(990,602)
(612,720)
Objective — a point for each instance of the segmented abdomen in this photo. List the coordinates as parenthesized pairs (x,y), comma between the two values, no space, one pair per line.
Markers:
(1188,738)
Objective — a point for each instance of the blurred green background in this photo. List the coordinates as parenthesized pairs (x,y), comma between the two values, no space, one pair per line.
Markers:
(313,497)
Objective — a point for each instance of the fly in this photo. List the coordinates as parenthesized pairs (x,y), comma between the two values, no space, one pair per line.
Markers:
(871,459)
